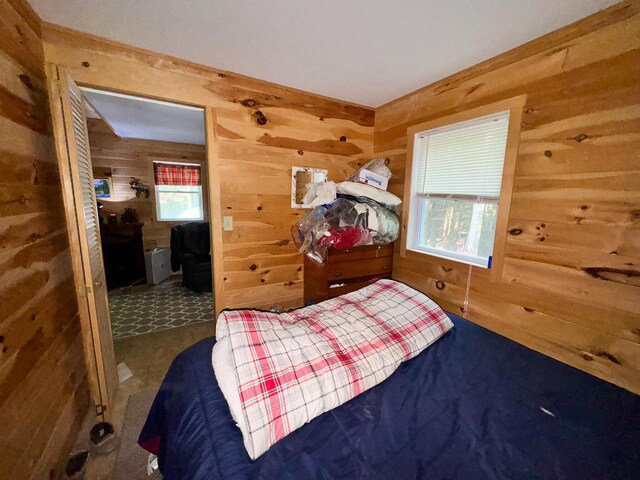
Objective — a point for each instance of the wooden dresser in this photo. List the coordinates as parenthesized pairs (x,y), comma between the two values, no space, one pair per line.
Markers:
(123,254)
(345,271)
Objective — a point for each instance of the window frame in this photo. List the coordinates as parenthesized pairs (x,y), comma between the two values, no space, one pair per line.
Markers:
(515,107)
(156,194)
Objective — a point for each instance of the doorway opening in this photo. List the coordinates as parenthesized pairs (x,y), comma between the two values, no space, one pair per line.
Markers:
(149,164)
(138,224)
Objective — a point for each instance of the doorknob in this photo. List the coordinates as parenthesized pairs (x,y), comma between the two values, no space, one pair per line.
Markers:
(97,283)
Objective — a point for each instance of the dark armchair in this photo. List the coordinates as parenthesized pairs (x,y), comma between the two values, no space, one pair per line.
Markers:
(190,249)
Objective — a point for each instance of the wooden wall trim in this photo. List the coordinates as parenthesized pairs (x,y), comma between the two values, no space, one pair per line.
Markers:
(213,174)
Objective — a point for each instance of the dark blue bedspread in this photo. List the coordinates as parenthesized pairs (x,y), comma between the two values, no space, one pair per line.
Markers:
(469,407)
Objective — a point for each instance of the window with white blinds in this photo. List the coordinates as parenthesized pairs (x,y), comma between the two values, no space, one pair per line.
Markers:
(457,176)
(464,159)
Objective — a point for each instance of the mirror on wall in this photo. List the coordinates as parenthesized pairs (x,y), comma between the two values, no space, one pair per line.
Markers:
(301,178)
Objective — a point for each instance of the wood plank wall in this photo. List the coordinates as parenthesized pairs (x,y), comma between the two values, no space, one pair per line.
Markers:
(263,129)
(129,157)
(570,285)
(43,384)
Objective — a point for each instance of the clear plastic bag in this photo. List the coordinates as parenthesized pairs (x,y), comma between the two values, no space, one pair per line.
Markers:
(346,223)
(378,166)
(388,227)
(320,193)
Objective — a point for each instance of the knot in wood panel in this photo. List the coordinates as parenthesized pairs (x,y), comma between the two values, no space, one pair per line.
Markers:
(581,137)
(86,64)
(260,118)
(26,80)
(249,102)
(515,231)
(253,267)
(440,285)
(627,276)
(607,356)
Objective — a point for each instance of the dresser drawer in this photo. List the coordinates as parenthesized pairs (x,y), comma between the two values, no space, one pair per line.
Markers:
(358,253)
(346,270)
(363,268)
(345,255)
(378,252)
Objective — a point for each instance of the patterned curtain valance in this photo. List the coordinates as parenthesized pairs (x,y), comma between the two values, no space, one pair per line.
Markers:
(176,174)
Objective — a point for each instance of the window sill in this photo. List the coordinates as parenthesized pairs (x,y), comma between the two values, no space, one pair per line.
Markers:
(448,258)
(447,262)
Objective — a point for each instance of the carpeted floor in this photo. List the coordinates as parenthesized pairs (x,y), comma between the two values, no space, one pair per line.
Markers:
(158,308)
(131,462)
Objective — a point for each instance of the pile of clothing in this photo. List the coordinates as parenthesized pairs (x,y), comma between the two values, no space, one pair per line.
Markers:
(348,214)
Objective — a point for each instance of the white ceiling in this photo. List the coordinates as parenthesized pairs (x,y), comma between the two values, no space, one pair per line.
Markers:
(363,51)
(134,117)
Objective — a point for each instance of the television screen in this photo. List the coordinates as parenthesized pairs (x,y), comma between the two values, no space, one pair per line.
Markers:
(102,187)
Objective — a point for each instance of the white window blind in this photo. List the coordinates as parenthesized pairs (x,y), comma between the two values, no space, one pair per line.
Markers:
(464,159)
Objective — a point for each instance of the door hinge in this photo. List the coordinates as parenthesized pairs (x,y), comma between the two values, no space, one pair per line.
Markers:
(100,409)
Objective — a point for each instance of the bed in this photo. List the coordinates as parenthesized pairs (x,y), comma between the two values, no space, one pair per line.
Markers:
(474,405)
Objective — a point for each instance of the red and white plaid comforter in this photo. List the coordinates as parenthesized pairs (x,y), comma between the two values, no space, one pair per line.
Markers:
(289,368)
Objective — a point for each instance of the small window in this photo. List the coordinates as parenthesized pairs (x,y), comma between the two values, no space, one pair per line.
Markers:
(178,191)
(456,180)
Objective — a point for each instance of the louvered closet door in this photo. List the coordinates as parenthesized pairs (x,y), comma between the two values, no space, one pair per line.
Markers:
(89,237)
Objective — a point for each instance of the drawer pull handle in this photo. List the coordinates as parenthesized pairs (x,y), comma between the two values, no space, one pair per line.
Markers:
(338,274)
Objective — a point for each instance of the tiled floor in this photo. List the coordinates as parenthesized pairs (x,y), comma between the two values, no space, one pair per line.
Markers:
(146,309)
